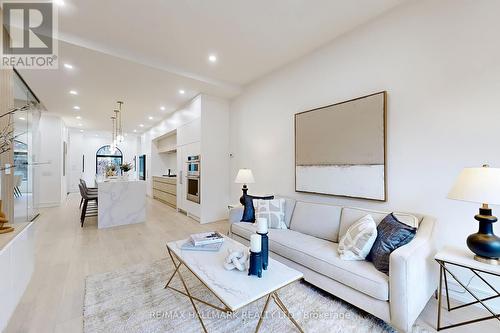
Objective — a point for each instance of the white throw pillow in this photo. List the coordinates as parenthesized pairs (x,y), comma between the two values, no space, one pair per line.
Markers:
(273,211)
(358,240)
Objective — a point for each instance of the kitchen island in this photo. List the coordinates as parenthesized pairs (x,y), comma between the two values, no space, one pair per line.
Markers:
(121,202)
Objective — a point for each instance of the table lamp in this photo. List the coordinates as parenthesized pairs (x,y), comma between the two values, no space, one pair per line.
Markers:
(245,176)
(481,185)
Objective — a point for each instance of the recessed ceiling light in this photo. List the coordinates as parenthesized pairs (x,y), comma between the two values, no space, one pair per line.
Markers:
(81,131)
(182,92)
(68,66)
(78,117)
(97,135)
(22,118)
(73,92)
(59,2)
(135,131)
(212,58)
(150,118)
(80,125)
(141,125)
(162,108)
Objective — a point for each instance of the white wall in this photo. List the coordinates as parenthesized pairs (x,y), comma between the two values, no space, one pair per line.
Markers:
(438,61)
(214,159)
(51,187)
(86,144)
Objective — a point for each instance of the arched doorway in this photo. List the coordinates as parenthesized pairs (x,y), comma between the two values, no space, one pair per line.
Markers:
(105,157)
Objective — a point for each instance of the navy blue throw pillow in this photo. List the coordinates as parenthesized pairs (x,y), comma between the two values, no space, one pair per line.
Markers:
(249,211)
(391,234)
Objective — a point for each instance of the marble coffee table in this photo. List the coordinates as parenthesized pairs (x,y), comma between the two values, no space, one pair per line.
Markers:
(234,289)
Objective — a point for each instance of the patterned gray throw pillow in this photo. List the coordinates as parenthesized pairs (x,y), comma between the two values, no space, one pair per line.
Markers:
(358,240)
(391,234)
(273,211)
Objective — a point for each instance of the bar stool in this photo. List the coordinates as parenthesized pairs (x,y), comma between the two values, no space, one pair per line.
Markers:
(90,190)
(86,198)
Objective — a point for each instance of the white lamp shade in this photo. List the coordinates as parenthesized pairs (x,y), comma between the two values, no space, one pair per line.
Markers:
(481,185)
(245,176)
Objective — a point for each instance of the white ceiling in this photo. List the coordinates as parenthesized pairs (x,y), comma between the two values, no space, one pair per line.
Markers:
(143,52)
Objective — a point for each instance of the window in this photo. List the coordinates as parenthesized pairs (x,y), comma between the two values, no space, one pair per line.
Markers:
(105,157)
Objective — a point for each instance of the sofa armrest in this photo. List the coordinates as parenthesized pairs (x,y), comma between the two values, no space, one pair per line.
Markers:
(235,214)
(413,276)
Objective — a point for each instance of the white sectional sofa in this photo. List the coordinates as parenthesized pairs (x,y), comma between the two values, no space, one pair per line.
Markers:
(310,245)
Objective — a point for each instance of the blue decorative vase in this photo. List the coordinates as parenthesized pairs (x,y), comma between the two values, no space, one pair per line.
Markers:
(265,250)
(255,264)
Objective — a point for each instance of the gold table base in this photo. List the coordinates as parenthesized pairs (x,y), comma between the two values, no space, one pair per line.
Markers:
(226,309)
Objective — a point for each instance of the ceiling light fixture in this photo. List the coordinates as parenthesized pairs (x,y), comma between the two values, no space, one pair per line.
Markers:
(73,92)
(150,118)
(119,127)
(80,124)
(182,92)
(22,118)
(141,125)
(68,66)
(81,131)
(78,117)
(135,131)
(76,107)
(212,58)
(162,108)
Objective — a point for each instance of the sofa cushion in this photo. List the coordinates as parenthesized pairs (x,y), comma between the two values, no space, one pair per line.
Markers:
(322,257)
(317,220)
(358,240)
(351,215)
(391,234)
(289,208)
(273,211)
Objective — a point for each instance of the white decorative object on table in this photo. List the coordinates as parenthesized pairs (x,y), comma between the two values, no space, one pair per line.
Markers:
(236,259)
(255,243)
(261,225)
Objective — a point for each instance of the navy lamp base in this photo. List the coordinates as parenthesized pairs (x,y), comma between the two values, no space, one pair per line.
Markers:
(245,191)
(485,244)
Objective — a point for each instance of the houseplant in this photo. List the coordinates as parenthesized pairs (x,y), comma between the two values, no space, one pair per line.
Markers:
(126,167)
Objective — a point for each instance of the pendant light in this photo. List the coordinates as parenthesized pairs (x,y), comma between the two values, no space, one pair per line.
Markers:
(112,146)
(119,127)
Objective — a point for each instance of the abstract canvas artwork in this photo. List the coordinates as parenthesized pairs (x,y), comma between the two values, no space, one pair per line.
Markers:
(340,149)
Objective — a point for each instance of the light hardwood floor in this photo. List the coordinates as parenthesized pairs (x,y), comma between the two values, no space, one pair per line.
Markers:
(66,254)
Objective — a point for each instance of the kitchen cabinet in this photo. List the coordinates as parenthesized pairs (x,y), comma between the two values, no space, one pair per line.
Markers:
(165,190)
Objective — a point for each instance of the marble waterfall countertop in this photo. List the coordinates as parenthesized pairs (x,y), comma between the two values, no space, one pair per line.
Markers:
(121,202)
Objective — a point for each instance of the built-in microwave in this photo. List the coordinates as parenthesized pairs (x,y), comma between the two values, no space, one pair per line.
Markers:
(193,166)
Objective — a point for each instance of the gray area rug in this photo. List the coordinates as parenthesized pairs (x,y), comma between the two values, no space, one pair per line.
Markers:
(133,300)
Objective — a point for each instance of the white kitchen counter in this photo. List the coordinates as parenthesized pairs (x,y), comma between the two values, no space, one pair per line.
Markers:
(121,202)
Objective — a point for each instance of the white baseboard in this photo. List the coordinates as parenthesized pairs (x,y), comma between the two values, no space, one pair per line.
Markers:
(456,294)
(49,204)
